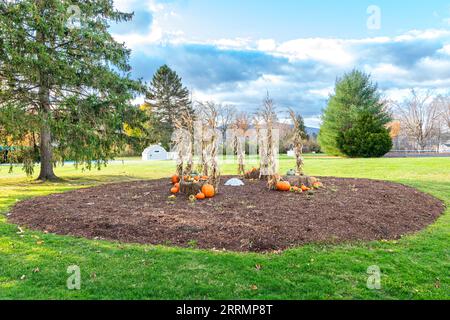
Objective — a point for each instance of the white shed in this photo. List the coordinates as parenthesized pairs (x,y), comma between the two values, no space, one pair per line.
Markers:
(445,147)
(155,152)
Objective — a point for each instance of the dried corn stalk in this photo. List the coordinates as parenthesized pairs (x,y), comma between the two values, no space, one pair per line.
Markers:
(239,129)
(179,146)
(297,141)
(260,139)
(269,167)
(188,122)
(210,144)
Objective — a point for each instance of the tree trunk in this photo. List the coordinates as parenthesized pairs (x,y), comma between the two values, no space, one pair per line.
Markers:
(46,155)
(46,172)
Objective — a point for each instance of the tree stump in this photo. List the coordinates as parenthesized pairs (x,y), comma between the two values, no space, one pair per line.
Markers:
(191,187)
(252,174)
(301,180)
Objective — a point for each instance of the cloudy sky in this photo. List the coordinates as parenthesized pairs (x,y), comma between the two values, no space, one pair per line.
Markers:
(234,51)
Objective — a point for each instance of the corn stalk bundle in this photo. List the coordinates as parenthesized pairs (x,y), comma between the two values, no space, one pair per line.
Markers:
(179,146)
(238,138)
(188,122)
(269,152)
(298,142)
(214,178)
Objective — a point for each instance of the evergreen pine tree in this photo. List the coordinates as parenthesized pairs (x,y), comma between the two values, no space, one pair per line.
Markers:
(60,68)
(354,122)
(169,100)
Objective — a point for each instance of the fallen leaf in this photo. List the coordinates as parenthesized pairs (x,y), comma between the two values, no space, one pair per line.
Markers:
(437,285)
(23,277)
(258,267)
(253,287)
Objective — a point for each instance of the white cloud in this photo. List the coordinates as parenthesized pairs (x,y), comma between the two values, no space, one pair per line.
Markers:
(330,51)
(323,93)
(305,75)
(237,43)
(434,66)
(314,122)
(266,45)
(445,49)
(386,72)
(397,94)
(162,14)
(428,34)
(124,5)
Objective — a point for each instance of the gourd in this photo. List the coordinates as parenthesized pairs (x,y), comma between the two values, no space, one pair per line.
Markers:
(200,196)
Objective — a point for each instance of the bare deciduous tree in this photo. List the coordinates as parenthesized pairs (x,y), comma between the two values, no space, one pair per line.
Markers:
(446,111)
(419,117)
(225,117)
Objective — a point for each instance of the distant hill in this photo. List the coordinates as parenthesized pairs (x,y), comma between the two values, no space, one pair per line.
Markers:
(310,131)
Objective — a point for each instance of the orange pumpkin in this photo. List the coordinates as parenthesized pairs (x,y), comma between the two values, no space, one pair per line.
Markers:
(177,185)
(204,178)
(317,185)
(283,186)
(200,196)
(208,190)
(175,179)
(304,188)
(174,190)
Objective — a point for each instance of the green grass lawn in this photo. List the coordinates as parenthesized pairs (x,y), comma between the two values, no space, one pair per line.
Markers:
(33,265)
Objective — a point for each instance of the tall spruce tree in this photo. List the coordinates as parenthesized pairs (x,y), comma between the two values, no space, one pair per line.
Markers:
(62,70)
(169,100)
(354,122)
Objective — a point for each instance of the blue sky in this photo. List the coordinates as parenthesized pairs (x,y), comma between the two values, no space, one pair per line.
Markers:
(233,51)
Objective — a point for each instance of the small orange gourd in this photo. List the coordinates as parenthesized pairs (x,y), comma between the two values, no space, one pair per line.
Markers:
(200,196)
(174,190)
(175,179)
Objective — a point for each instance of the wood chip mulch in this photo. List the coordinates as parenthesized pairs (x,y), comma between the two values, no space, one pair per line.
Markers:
(248,218)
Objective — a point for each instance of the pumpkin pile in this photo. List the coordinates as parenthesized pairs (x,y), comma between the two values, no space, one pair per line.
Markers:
(297,185)
(206,191)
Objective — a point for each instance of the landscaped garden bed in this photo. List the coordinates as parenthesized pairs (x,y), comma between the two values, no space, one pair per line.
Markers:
(247,218)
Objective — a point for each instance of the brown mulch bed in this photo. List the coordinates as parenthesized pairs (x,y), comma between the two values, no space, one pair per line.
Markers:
(249,218)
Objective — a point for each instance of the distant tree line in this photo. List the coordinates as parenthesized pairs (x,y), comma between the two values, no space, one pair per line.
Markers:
(422,121)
